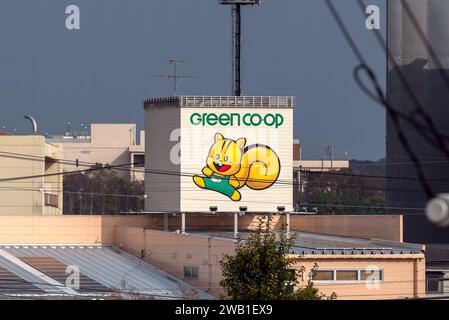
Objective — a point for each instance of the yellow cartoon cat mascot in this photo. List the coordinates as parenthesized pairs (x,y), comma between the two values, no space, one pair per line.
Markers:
(231,165)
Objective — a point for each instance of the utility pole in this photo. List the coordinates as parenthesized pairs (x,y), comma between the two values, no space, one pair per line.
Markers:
(322,160)
(237,49)
(175,77)
(236,6)
(330,153)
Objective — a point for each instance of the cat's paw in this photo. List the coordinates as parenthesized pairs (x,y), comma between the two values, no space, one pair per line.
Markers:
(236,196)
(199,181)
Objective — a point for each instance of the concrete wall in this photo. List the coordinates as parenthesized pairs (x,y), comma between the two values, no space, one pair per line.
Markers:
(318,165)
(404,275)
(64,229)
(161,137)
(91,229)
(369,227)
(29,156)
(372,227)
(173,251)
(412,59)
(109,144)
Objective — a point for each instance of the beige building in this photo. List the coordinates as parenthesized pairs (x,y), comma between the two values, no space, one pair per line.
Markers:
(114,144)
(37,192)
(315,165)
(352,268)
(396,269)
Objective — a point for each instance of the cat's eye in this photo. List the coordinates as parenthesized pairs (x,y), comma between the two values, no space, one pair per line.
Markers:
(217,157)
(226,159)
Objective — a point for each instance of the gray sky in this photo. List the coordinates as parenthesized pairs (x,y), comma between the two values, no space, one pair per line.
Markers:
(102,72)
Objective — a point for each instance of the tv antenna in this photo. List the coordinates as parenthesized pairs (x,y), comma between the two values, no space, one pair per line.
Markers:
(237,41)
(329,149)
(175,77)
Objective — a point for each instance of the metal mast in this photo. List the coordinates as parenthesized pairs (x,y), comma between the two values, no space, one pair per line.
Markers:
(237,50)
(237,41)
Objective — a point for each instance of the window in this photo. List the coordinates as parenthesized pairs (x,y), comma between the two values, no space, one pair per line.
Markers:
(295,273)
(434,282)
(347,275)
(139,160)
(371,275)
(323,275)
(51,200)
(191,272)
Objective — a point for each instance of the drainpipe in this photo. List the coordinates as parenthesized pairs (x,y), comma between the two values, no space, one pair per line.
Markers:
(236,225)
(166,222)
(209,257)
(415,278)
(183,223)
(287,224)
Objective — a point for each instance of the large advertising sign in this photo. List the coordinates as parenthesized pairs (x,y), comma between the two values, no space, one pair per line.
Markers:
(236,157)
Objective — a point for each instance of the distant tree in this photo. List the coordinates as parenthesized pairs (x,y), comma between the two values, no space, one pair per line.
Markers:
(101,192)
(340,193)
(353,203)
(261,269)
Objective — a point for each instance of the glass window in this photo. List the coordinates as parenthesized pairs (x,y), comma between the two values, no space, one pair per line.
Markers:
(323,275)
(51,200)
(139,160)
(191,272)
(371,275)
(347,275)
(434,284)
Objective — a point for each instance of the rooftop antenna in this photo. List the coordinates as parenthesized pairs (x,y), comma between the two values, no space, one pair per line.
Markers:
(68,130)
(330,152)
(175,77)
(237,41)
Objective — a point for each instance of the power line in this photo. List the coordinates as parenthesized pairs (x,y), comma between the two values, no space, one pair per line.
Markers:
(173,173)
(423,38)
(440,140)
(356,175)
(107,167)
(381,98)
(127,167)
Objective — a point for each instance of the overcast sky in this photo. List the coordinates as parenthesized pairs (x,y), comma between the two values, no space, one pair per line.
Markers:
(102,72)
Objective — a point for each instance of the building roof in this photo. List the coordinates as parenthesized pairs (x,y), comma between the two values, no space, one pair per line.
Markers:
(222,101)
(317,244)
(104,270)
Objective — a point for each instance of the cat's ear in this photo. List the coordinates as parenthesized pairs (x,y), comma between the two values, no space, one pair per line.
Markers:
(241,143)
(218,137)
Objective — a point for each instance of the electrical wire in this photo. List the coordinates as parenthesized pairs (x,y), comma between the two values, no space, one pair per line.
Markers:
(181,174)
(427,44)
(439,141)
(381,97)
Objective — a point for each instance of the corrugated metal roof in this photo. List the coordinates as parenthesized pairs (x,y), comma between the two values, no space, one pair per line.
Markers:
(312,243)
(107,265)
